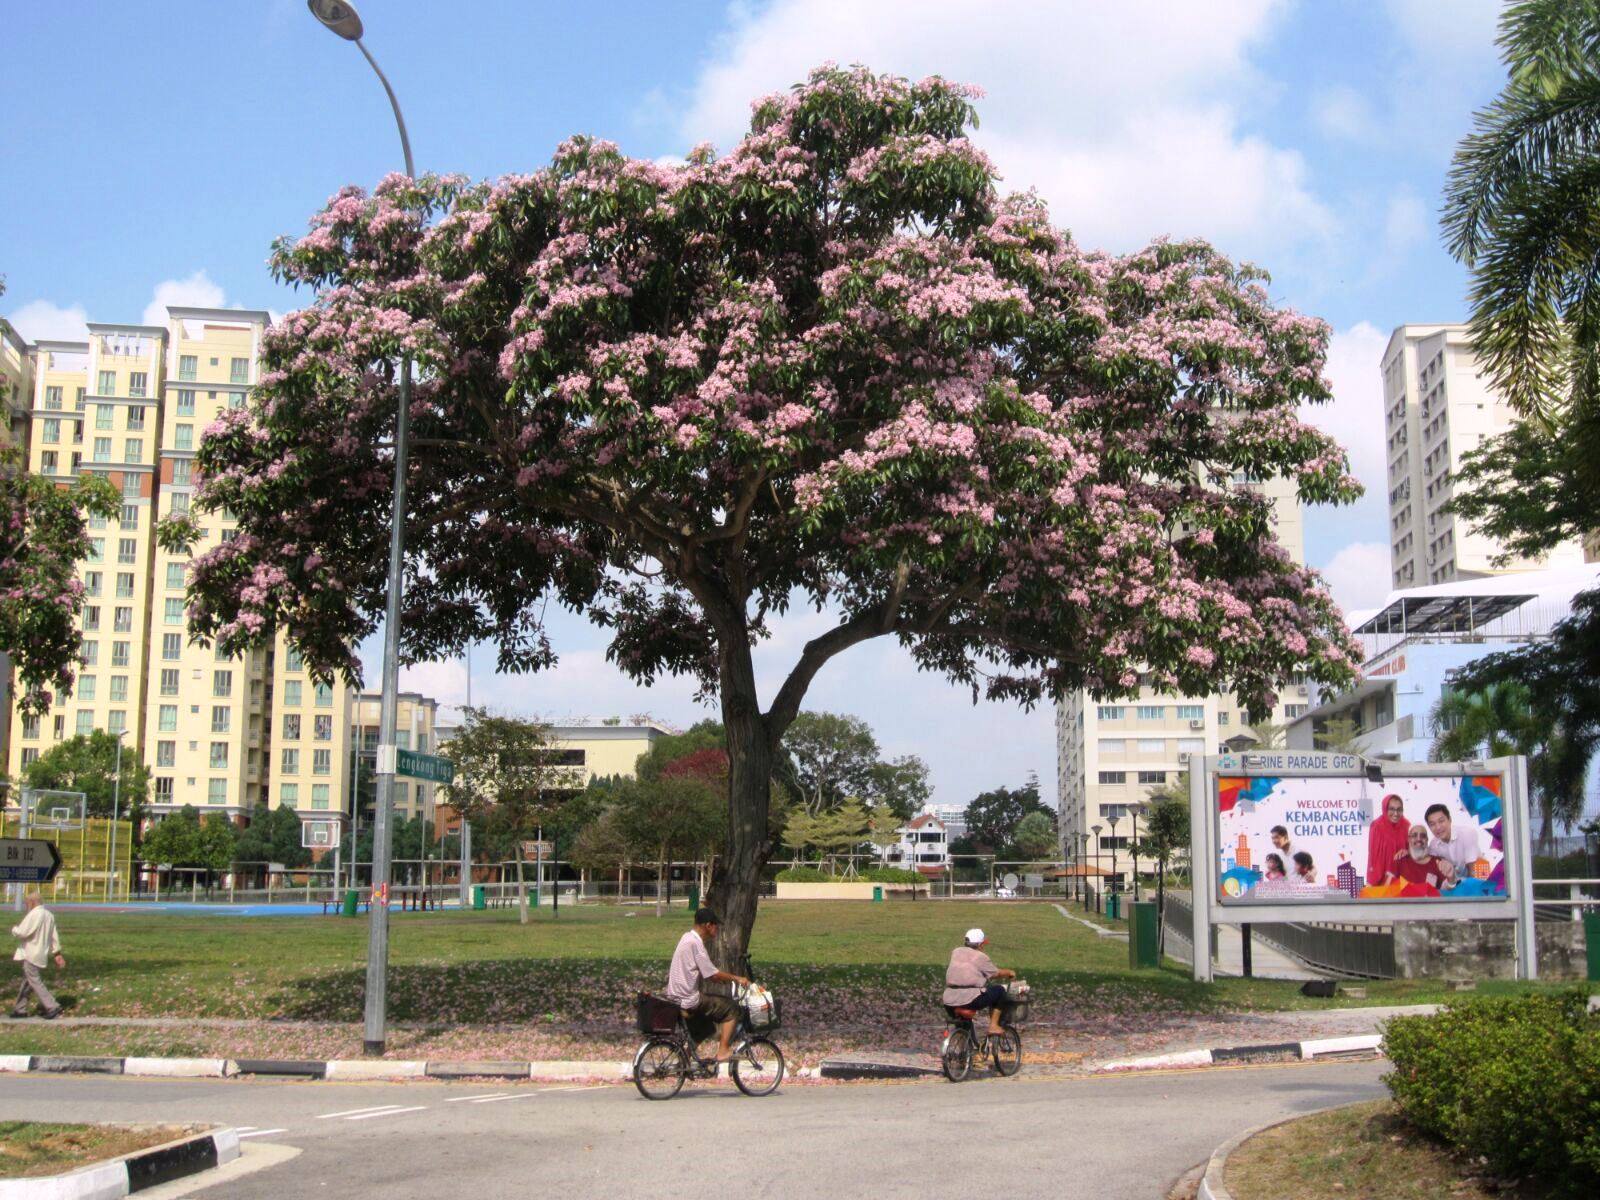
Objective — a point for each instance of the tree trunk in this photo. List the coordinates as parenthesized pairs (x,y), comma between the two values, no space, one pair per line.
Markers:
(661,877)
(736,882)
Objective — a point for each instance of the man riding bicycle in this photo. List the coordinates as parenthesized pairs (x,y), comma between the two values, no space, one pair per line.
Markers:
(691,968)
(967,979)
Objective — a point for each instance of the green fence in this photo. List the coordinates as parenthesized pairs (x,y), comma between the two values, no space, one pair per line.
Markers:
(87,872)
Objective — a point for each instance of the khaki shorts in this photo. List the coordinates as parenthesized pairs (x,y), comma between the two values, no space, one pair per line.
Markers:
(715,1008)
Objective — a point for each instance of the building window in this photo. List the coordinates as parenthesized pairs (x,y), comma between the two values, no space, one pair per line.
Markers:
(290,762)
(138,385)
(119,654)
(239,371)
(220,718)
(125,584)
(183,437)
(1113,777)
(217,791)
(1191,745)
(116,721)
(48,462)
(130,516)
(1291,711)
(175,574)
(1109,712)
(1191,712)
(108,383)
(182,472)
(293,660)
(235,400)
(221,683)
(291,692)
(132,487)
(91,583)
(1152,745)
(52,399)
(324,695)
(133,450)
(167,718)
(180,504)
(87,685)
(91,618)
(163,789)
(136,418)
(127,550)
(319,796)
(186,404)
(322,729)
(102,450)
(90,654)
(1224,719)
(85,722)
(119,689)
(122,619)
(50,431)
(172,610)
(322,762)
(288,795)
(78,403)
(169,681)
(219,756)
(103,416)
(1118,746)
(186,367)
(291,727)
(30,726)
(166,754)
(1152,712)
(171,646)
(1152,776)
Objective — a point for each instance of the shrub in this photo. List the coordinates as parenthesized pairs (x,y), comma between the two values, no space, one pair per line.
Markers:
(866,875)
(805,875)
(1515,1079)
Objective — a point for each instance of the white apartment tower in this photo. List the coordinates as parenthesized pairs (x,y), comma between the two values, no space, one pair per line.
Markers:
(1111,755)
(1438,406)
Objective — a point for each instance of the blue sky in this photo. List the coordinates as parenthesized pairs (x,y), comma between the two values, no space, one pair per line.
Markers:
(151,155)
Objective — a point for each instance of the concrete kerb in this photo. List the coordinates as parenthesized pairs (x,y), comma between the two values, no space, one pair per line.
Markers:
(1212,1185)
(130,1173)
(1345,1047)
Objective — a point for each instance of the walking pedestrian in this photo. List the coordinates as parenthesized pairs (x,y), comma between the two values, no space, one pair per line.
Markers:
(40,941)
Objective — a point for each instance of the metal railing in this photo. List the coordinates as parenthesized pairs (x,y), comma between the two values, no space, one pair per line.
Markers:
(1581,894)
(1356,951)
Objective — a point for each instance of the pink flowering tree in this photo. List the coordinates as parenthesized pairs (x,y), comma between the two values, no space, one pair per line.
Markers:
(43,537)
(834,368)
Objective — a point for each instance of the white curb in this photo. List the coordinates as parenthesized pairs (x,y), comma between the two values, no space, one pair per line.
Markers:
(207,1068)
(1344,1045)
(358,1068)
(114,1180)
(15,1062)
(1183,1058)
(577,1070)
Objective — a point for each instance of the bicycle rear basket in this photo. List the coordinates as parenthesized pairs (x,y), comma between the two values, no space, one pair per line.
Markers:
(656,1015)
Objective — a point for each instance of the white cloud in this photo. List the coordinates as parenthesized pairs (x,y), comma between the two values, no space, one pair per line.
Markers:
(1358,575)
(39,320)
(1126,117)
(1405,223)
(1342,112)
(1355,415)
(197,291)
(1459,28)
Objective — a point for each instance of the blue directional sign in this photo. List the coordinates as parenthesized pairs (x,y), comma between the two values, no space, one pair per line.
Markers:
(28,860)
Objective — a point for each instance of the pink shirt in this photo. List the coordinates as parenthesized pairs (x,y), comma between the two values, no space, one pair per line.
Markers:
(967,975)
(691,965)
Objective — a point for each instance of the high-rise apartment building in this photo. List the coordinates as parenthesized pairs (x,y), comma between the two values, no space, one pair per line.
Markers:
(1437,407)
(1111,755)
(16,386)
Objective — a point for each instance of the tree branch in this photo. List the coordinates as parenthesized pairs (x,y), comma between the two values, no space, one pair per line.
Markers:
(786,705)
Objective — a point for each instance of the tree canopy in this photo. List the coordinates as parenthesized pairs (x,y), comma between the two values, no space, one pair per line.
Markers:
(832,367)
(993,817)
(836,756)
(87,763)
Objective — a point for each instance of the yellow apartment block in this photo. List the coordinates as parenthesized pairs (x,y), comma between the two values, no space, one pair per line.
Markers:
(309,742)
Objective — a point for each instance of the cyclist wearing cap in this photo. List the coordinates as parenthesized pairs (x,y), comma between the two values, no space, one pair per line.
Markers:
(692,967)
(967,980)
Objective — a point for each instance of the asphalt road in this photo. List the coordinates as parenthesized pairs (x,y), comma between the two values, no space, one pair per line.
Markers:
(1107,1138)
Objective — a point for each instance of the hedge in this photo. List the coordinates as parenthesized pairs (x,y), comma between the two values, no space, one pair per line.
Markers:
(866,875)
(1514,1079)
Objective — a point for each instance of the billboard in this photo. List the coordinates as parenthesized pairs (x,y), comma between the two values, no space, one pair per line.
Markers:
(1347,840)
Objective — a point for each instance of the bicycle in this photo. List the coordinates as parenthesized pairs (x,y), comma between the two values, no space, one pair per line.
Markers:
(962,1043)
(670,1055)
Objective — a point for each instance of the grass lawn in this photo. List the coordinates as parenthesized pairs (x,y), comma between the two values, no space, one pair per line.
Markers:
(30,1148)
(838,966)
(1353,1153)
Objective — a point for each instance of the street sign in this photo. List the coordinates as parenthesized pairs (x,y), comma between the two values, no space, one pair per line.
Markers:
(537,850)
(28,860)
(429,767)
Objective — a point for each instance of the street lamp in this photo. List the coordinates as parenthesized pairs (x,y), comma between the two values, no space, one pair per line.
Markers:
(1115,813)
(1083,865)
(342,18)
(1136,809)
(116,809)
(1095,829)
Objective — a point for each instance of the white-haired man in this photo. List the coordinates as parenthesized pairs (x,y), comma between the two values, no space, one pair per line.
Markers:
(37,933)
(971,979)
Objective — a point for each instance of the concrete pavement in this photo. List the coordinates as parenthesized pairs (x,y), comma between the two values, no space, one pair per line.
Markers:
(1119,1138)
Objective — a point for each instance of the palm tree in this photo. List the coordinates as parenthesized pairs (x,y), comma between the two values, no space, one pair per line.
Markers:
(1492,721)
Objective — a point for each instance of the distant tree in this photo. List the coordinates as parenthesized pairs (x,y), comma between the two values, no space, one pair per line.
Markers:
(1035,836)
(87,763)
(174,840)
(273,836)
(669,820)
(1339,735)
(214,848)
(836,755)
(993,817)
(703,735)
(43,537)
(1165,836)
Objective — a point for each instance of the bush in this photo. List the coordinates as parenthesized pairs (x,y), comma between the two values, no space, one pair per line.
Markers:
(867,875)
(1516,1080)
(806,875)
(893,875)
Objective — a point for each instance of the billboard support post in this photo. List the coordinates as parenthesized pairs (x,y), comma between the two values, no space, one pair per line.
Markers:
(1508,896)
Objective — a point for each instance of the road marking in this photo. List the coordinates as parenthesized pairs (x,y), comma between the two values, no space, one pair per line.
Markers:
(243,1128)
(508,1096)
(578,1087)
(484,1096)
(261,1133)
(350,1112)
(389,1112)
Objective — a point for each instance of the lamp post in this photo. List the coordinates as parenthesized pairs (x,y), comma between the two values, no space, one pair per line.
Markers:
(1114,813)
(1135,810)
(342,19)
(1083,865)
(1095,829)
(116,810)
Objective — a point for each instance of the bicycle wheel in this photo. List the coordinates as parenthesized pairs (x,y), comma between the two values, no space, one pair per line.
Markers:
(758,1067)
(1007,1051)
(957,1055)
(659,1069)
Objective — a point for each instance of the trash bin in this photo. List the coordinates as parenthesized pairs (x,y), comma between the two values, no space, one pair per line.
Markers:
(1114,906)
(1591,942)
(352,901)
(694,896)
(1143,948)
(877,893)
(479,901)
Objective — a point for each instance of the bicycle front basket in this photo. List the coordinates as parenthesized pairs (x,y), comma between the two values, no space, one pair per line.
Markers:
(656,1015)
(764,1014)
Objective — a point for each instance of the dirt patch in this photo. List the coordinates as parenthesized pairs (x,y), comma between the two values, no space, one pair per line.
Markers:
(33,1148)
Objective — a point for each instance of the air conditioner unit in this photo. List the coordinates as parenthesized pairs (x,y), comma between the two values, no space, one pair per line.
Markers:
(1197,724)
(1301,690)
(1183,757)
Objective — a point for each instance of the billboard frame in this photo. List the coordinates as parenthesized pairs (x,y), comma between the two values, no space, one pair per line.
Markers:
(1516,842)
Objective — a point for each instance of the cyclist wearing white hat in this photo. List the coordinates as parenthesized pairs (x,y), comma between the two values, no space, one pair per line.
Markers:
(969,981)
